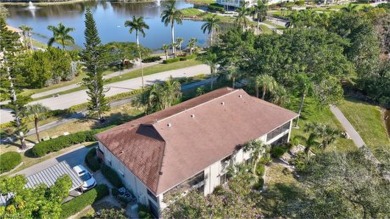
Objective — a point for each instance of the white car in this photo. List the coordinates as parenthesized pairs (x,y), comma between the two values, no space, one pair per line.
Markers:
(88,181)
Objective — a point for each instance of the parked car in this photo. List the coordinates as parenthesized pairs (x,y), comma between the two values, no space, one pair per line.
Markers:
(88,181)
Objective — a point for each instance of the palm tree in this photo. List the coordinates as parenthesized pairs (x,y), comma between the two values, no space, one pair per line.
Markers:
(37,112)
(293,20)
(261,11)
(165,47)
(60,35)
(169,16)
(268,83)
(211,25)
(179,41)
(350,8)
(256,148)
(137,24)
(241,18)
(232,73)
(211,59)
(163,95)
(192,44)
(303,87)
(26,31)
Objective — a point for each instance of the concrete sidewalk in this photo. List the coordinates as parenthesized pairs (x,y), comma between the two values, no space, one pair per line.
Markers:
(347,126)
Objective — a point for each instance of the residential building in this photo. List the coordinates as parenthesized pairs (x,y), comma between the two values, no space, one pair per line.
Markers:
(190,145)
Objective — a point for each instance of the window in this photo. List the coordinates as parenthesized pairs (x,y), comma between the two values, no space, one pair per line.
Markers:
(223,179)
(278,131)
(153,209)
(152,196)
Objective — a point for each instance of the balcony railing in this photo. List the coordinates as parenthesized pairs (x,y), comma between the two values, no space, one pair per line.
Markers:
(193,183)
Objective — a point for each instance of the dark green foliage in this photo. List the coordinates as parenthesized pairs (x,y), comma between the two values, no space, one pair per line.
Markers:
(144,212)
(80,202)
(278,151)
(43,68)
(114,192)
(259,184)
(151,59)
(172,60)
(92,161)
(112,176)
(214,7)
(45,147)
(9,160)
(260,169)
(116,52)
(110,213)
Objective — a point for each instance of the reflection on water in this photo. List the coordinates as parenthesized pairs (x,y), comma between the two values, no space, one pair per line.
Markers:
(109,17)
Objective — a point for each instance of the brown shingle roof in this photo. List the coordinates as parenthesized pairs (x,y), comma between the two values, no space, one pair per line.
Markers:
(165,148)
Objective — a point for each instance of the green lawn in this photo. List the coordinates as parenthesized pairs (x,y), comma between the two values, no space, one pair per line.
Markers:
(321,114)
(368,121)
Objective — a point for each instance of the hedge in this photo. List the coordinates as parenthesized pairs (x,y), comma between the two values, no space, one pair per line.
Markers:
(214,7)
(45,147)
(80,202)
(9,160)
(92,161)
(151,59)
(167,61)
(112,176)
(278,151)
(144,212)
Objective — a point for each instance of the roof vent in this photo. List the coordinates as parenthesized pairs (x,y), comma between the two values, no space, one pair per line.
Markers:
(161,173)
(169,125)
(192,115)
(223,103)
(240,96)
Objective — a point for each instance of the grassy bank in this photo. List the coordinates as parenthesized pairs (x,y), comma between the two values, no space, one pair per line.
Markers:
(368,121)
(43,3)
(320,114)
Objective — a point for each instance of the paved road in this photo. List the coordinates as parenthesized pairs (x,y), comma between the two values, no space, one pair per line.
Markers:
(347,126)
(67,100)
(73,158)
(72,86)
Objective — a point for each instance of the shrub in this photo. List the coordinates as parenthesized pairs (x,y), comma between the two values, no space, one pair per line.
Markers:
(114,192)
(92,161)
(218,190)
(278,151)
(144,212)
(260,169)
(80,202)
(259,185)
(112,176)
(9,160)
(214,7)
(45,147)
(151,59)
(172,60)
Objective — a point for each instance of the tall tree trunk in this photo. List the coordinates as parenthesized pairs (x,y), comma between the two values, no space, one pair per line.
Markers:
(257,91)
(36,128)
(142,67)
(234,82)
(300,107)
(63,44)
(17,118)
(173,39)
(211,38)
(264,91)
(136,37)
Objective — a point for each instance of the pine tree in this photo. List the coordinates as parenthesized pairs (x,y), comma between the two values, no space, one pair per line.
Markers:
(92,55)
(10,80)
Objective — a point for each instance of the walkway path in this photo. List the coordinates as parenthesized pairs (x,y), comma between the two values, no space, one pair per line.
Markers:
(347,126)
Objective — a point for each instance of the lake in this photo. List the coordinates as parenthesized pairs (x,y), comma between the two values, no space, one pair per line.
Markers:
(109,17)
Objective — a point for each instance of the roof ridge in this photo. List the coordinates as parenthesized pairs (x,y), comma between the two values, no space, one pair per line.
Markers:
(193,107)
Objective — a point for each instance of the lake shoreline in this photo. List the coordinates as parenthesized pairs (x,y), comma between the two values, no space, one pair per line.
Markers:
(63,2)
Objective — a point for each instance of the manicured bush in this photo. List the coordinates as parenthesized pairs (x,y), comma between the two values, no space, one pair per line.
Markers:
(260,169)
(9,160)
(278,151)
(214,7)
(92,161)
(144,212)
(172,60)
(80,202)
(112,176)
(45,147)
(151,59)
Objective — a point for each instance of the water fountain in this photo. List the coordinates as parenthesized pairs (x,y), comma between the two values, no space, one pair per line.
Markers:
(158,3)
(31,6)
